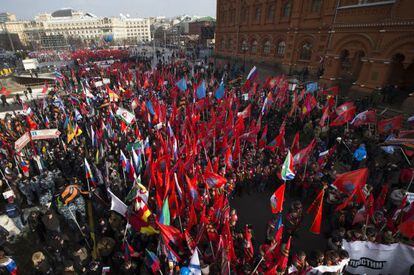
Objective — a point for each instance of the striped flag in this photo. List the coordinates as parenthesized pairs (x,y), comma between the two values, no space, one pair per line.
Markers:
(287,169)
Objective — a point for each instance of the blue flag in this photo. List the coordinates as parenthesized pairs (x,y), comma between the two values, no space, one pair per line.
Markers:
(182,84)
(312,87)
(201,90)
(150,108)
(219,94)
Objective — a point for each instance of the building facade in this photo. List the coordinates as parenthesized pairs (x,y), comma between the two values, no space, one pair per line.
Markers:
(60,28)
(366,43)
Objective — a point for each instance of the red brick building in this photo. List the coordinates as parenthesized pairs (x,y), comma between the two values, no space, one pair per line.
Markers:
(367,43)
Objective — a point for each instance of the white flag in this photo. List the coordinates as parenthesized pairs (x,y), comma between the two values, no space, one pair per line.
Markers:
(194,266)
(117,205)
(125,115)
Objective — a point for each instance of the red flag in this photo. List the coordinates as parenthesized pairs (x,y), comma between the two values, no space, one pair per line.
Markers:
(263,139)
(228,160)
(344,116)
(407,226)
(302,157)
(344,108)
(214,180)
(331,91)
(308,105)
(283,259)
(246,112)
(349,182)
(32,125)
(276,200)
(4,91)
(171,236)
(294,149)
(366,117)
(325,116)
(316,225)
(45,88)
(387,125)
(380,201)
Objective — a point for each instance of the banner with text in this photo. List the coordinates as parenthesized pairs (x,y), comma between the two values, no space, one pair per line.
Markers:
(371,258)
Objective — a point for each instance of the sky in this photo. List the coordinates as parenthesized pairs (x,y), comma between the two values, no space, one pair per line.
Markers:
(27,9)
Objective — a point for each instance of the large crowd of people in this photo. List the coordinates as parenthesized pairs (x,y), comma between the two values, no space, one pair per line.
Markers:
(143,163)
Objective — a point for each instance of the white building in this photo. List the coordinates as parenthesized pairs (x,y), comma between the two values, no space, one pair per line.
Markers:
(88,26)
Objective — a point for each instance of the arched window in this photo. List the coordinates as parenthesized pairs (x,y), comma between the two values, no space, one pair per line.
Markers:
(271,13)
(281,47)
(244,47)
(287,9)
(306,51)
(229,44)
(223,44)
(254,46)
(258,14)
(316,5)
(267,47)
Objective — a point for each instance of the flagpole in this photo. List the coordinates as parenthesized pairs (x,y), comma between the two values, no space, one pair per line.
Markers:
(257,266)
(80,229)
(411,181)
(405,156)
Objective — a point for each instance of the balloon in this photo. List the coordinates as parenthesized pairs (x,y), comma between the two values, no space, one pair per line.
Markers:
(185,271)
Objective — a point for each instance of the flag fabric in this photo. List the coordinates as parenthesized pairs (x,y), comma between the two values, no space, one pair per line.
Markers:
(350,181)
(171,237)
(165,213)
(89,175)
(10,265)
(182,84)
(219,94)
(325,116)
(318,205)
(312,87)
(345,114)
(288,172)
(276,200)
(194,266)
(125,115)
(302,157)
(410,120)
(45,88)
(117,205)
(152,261)
(214,180)
(334,91)
(386,125)
(4,91)
(201,90)
(406,228)
(252,74)
(25,166)
(366,117)
(345,108)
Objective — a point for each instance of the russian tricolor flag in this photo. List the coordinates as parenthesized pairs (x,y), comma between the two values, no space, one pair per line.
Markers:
(252,74)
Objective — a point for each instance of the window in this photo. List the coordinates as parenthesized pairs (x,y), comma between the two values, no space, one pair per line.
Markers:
(244,47)
(287,9)
(245,15)
(258,14)
(229,44)
(281,46)
(267,47)
(223,44)
(271,13)
(316,5)
(306,51)
(254,46)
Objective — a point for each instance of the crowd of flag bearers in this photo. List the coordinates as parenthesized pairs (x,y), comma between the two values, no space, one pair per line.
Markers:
(150,159)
